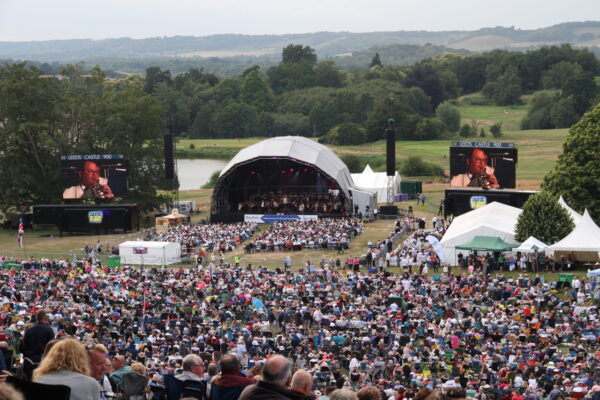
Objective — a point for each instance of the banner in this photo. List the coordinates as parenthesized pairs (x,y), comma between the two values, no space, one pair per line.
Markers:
(270,218)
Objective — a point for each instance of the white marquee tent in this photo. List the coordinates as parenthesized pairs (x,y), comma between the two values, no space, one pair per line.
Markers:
(583,243)
(531,245)
(494,219)
(150,253)
(574,214)
(377,181)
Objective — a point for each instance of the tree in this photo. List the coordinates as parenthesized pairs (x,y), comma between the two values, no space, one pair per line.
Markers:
(235,120)
(416,166)
(583,89)
(449,115)
(298,54)
(576,174)
(255,92)
(468,130)
(562,112)
(543,218)
(376,61)
(538,112)
(496,130)
(482,133)
(327,75)
(558,73)
(508,90)
(154,76)
(425,77)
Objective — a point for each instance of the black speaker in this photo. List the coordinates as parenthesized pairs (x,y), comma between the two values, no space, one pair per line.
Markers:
(169,164)
(388,210)
(390,134)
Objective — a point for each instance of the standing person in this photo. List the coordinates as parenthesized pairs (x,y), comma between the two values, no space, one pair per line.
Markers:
(67,363)
(232,382)
(34,342)
(91,184)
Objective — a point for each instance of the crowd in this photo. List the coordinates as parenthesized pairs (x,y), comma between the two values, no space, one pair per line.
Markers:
(293,203)
(210,237)
(316,234)
(348,329)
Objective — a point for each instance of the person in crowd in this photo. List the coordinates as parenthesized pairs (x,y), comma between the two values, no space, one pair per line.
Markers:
(302,383)
(120,368)
(8,392)
(369,393)
(343,394)
(67,363)
(230,384)
(34,342)
(193,368)
(276,376)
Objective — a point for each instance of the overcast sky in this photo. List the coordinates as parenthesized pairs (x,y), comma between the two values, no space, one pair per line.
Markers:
(22,20)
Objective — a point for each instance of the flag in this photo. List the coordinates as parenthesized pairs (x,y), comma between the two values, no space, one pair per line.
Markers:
(21,232)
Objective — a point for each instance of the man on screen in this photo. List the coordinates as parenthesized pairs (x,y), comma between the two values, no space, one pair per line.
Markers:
(92,185)
(478,174)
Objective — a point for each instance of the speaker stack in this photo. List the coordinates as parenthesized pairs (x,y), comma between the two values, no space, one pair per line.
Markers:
(169,159)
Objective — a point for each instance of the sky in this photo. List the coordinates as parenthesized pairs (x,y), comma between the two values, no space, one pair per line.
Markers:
(25,20)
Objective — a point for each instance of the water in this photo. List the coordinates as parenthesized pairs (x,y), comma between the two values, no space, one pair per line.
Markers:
(195,173)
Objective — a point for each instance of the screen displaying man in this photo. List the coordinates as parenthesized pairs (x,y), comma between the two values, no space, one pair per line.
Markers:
(91,185)
(479,173)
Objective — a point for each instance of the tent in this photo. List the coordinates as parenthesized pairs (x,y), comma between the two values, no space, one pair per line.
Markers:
(377,181)
(486,243)
(531,245)
(575,216)
(583,244)
(150,253)
(594,273)
(173,219)
(494,219)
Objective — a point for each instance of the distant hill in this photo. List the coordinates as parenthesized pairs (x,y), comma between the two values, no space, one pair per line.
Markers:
(230,53)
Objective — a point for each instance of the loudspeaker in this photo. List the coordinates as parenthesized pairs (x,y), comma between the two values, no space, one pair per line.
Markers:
(388,210)
(391,149)
(169,164)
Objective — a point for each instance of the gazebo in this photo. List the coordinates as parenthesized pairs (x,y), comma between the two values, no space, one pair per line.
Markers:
(163,223)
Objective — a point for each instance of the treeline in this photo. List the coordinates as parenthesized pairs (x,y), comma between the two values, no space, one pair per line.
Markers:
(304,96)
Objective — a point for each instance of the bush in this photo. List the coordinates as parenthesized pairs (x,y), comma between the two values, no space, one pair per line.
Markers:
(416,166)
(496,130)
(191,146)
(212,181)
(449,115)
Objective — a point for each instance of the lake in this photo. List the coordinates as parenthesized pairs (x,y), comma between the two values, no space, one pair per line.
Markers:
(195,173)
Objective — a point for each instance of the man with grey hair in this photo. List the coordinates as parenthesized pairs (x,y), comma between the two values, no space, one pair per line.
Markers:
(302,383)
(193,368)
(276,375)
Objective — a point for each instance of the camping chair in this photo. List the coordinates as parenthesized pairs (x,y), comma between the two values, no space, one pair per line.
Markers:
(177,389)
(40,391)
(133,384)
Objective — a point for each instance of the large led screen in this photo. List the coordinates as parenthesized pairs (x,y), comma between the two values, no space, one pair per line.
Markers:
(487,165)
(93,177)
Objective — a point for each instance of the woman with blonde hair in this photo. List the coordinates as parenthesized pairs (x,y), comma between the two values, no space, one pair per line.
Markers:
(67,363)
